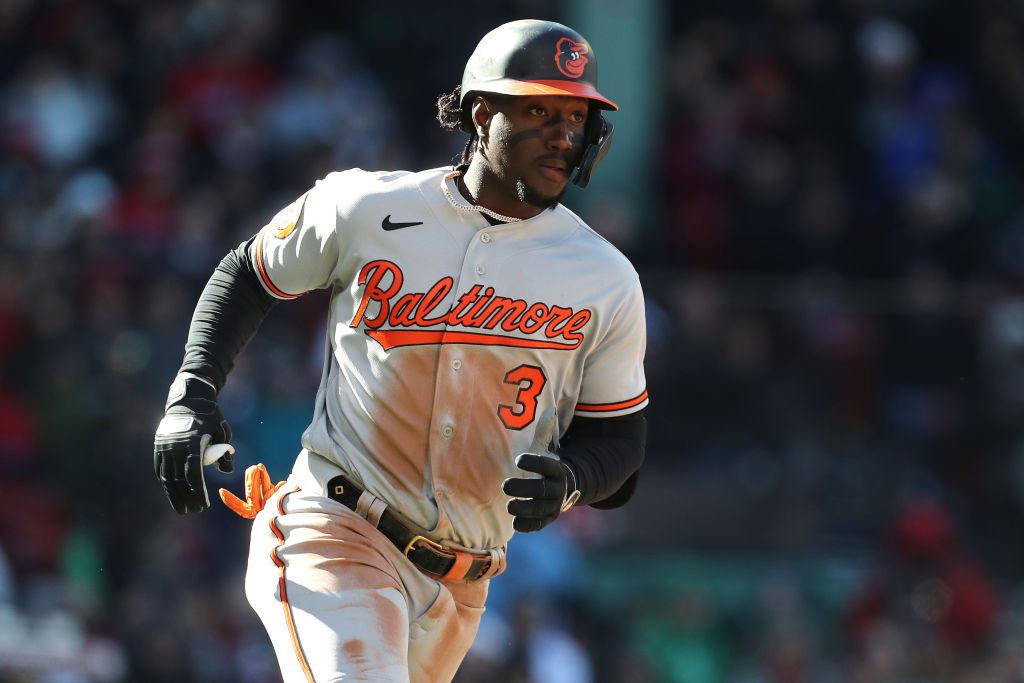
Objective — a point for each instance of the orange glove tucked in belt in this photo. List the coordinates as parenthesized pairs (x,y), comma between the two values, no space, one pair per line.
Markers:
(257,490)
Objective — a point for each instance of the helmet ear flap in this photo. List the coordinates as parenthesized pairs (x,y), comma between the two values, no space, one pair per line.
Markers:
(597,141)
(466,107)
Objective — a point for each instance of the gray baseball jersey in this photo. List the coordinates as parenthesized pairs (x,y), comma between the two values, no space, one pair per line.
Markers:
(449,336)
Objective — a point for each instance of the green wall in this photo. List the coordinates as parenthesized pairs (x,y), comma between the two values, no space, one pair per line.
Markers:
(626,35)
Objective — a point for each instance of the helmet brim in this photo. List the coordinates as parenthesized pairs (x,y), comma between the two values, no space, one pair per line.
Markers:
(570,88)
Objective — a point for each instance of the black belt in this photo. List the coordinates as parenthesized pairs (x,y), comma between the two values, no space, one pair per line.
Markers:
(430,556)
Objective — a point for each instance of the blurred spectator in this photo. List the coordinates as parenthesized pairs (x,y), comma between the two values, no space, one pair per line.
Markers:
(332,110)
(56,113)
(927,609)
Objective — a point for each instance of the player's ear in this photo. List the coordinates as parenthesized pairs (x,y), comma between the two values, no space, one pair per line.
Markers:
(481,114)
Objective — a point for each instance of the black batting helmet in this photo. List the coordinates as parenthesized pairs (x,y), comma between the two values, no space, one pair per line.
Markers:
(534,57)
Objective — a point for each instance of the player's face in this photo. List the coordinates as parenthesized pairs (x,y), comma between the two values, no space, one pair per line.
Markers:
(534,143)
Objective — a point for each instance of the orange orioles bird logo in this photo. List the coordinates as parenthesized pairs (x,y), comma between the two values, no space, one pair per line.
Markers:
(284,222)
(571,57)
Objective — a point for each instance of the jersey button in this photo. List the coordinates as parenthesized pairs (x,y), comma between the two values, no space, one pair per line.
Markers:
(456,364)
(447,431)
(485,238)
(480,270)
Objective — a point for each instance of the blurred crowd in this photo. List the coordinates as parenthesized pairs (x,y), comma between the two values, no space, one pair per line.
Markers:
(835,473)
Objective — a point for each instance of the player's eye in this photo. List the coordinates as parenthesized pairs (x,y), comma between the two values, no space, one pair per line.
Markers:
(578,117)
(537,110)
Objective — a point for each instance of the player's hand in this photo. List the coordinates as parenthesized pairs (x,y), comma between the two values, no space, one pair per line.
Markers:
(537,501)
(192,433)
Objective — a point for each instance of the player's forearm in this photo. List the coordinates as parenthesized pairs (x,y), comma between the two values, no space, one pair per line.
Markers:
(621,496)
(602,466)
(605,456)
(226,317)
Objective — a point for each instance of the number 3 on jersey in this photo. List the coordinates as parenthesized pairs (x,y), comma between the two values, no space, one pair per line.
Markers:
(530,380)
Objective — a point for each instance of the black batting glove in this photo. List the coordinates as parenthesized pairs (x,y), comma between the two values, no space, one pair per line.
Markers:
(537,501)
(191,425)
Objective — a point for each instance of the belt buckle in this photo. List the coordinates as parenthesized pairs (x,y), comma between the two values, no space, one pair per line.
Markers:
(426,540)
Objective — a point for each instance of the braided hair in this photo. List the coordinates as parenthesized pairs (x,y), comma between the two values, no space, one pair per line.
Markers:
(450,116)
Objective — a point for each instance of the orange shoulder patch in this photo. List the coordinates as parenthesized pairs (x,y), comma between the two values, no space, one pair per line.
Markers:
(284,222)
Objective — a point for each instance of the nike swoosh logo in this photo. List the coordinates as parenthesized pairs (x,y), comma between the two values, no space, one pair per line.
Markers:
(388,225)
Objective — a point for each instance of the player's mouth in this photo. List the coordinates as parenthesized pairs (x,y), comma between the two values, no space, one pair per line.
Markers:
(555,170)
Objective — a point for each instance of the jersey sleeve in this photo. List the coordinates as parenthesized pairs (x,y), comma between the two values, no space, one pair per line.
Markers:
(297,251)
(613,376)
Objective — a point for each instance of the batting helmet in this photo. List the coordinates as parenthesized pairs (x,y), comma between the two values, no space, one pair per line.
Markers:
(534,57)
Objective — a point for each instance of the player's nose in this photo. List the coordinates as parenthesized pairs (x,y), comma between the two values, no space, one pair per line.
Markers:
(560,135)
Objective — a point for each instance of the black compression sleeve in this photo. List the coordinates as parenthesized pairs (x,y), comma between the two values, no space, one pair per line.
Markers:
(605,455)
(620,497)
(229,311)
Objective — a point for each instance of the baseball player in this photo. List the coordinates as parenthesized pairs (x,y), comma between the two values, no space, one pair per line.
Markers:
(483,373)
